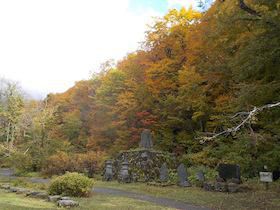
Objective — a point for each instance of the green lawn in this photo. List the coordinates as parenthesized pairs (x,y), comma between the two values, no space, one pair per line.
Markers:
(12,201)
(256,199)
(102,202)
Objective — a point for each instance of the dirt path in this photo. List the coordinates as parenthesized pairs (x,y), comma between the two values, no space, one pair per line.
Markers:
(153,199)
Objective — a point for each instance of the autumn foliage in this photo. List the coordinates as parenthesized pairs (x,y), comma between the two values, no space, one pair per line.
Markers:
(192,72)
(87,163)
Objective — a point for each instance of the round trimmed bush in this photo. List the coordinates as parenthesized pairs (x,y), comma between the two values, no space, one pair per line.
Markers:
(71,184)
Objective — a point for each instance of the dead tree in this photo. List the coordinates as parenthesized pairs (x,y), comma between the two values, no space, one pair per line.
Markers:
(248,116)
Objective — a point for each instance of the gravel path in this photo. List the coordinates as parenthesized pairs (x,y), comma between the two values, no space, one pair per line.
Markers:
(9,173)
(4,172)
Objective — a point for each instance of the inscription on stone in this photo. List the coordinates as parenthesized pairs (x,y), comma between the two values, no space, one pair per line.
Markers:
(266,177)
(146,139)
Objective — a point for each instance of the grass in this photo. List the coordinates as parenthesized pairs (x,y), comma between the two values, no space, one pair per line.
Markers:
(102,202)
(255,199)
(31,174)
(12,201)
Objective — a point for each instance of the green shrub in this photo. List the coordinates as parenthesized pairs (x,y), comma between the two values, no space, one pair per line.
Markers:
(173,177)
(210,174)
(22,163)
(22,182)
(71,184)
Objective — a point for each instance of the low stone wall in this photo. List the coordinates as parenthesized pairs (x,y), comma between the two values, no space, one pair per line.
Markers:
(144,164)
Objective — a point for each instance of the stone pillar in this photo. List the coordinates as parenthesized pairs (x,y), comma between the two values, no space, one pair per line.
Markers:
(108,174)
(124,175)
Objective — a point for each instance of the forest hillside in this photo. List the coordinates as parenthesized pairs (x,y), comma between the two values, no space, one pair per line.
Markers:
(191,74)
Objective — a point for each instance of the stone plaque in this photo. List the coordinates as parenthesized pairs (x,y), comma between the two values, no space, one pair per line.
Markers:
(229,171)
(164,176)
(182,176)
(266,177)
(146,139)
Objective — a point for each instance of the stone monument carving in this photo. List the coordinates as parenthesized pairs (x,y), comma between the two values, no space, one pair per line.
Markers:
(229,171)
(140,165)
(108,174)
(124,175)
(163,176)
(182,176)
(146,139)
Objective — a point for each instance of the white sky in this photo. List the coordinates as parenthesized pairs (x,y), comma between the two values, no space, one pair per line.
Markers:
(47,45)
(186,3)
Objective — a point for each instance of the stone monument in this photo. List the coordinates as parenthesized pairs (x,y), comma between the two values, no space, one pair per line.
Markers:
(200,176)
(108,174)
(182,176)
(146,139)
(163,177)
(124,175)
(229,171)
(140,165)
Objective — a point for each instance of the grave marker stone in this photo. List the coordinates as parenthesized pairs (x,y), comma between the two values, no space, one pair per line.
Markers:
(229,171)
(146,139)
(182,175)
(200,176)
(266,177)
(163,173)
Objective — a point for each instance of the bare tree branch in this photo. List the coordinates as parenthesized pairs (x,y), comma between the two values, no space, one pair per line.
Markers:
(6,150)
(26,150)
(247,9)
(249,115)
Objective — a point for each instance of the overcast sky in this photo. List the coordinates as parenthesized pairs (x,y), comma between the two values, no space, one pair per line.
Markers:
(47,45)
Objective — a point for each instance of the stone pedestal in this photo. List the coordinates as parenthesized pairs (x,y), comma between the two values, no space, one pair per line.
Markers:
(108,173)
(144,164)
(124,175)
